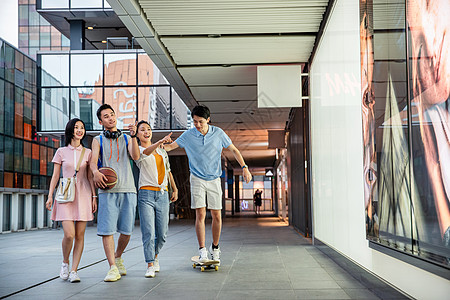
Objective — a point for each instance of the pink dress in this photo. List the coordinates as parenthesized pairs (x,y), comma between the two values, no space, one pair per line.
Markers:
(81,208)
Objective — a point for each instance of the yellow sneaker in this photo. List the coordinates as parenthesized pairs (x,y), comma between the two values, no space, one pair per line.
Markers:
(120,266)
(112,275)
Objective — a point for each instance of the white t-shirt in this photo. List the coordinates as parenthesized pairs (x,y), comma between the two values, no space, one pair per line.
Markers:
(150,170)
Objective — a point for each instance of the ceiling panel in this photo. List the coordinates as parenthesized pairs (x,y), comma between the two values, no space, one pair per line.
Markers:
(195,76)
(239,50)
(224,93)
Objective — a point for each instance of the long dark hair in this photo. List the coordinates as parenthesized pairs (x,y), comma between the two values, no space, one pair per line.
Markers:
(70,128)
(139,124)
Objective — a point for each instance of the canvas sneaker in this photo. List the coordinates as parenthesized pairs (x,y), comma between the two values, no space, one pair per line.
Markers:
(73,277)
(203,255)
(112,275)
(156,265)
(64,273)
(150,273)
(120,266)
(215,254)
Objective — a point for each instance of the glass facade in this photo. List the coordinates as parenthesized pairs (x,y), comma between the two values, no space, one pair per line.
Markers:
(406,113)
(25,158)
(35,33)
(76,83)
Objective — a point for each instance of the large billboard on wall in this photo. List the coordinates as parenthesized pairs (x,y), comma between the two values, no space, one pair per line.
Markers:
(405,71)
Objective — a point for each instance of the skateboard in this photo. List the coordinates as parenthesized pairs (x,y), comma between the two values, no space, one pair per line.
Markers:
(209,264)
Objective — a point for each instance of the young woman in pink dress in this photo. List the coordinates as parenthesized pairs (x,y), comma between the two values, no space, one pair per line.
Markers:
(73,215)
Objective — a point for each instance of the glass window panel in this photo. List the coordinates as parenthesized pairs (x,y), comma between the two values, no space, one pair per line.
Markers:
(19,61)
(54,108)
(86,69)
(18,111)
(106,4)
(2,108)
(43,160)
(23,15)
(2,59)
(9,63)
(247,194)
(154,106)
(35,159)
(88,101)
(27,115)
(55,37)
(430,139)
(27,157)
(55,3)
(148,72)
(34,203)
(247,185)
(32,52)
(65,42)
(7,198)
(8,179)
(181,115)
(33,16)
(34,36)
(120,69)
(9,108)
(55,70)
(35,184)
(86,3)
(45,37)
(21,218)
(2,155)
(18,155)
(123,101)
(23,37)
(267,185)
(23,1)
(50,153)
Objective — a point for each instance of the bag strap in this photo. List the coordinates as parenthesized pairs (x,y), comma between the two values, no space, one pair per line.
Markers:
(79,161)
(100,155)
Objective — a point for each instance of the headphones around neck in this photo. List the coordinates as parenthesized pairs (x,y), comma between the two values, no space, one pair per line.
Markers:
(112,134)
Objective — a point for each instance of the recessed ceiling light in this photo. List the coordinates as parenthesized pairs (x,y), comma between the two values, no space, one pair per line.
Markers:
(226,66)
(90,28)
(104,42)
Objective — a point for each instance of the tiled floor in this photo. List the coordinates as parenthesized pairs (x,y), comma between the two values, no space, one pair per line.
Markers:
(262,258)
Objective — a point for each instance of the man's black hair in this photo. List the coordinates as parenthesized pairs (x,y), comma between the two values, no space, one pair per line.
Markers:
(103,107)
(70,129)
(201,111)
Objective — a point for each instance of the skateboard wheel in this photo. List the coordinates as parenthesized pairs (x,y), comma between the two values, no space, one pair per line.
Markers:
(203,269)
(194,266)
(216,268)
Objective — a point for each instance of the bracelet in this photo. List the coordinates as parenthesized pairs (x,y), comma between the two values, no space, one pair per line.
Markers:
(94,196)
(244,166)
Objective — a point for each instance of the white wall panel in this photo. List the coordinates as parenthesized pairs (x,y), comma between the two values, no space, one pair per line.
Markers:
(337,171)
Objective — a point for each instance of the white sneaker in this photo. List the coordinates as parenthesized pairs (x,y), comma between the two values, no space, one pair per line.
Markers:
(73,277)
(156,265)
(203,255)
(215,254)
(120,266)
(112,275)
(64,273)
(150,273)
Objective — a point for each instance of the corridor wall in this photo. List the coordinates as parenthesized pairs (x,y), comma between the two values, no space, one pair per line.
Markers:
(337,157)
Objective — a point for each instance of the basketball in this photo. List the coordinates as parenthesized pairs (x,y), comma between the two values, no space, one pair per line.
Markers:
(111,175)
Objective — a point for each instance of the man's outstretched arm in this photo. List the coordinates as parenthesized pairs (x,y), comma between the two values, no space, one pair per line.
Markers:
(238,156)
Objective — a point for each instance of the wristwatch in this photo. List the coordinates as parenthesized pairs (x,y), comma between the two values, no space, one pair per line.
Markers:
(244,166)
(132,136)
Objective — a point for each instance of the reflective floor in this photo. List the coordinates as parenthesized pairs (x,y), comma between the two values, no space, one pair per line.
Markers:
(262,258)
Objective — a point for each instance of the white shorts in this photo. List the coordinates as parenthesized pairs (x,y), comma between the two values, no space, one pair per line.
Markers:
(204,190)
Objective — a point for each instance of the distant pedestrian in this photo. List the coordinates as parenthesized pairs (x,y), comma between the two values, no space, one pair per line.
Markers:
(257,199)
(73,215)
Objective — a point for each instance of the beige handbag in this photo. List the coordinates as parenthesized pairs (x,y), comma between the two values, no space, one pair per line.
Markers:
(66,189)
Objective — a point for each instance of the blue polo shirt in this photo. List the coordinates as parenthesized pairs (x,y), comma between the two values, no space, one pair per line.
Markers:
(204,151)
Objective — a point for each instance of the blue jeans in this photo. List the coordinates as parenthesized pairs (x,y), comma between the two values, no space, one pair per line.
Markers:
(116,213)
(154,219)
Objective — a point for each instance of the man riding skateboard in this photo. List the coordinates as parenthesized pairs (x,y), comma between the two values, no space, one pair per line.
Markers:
(203,145)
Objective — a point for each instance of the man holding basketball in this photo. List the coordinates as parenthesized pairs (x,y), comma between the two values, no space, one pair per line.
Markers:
(203,145)
(117,206)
